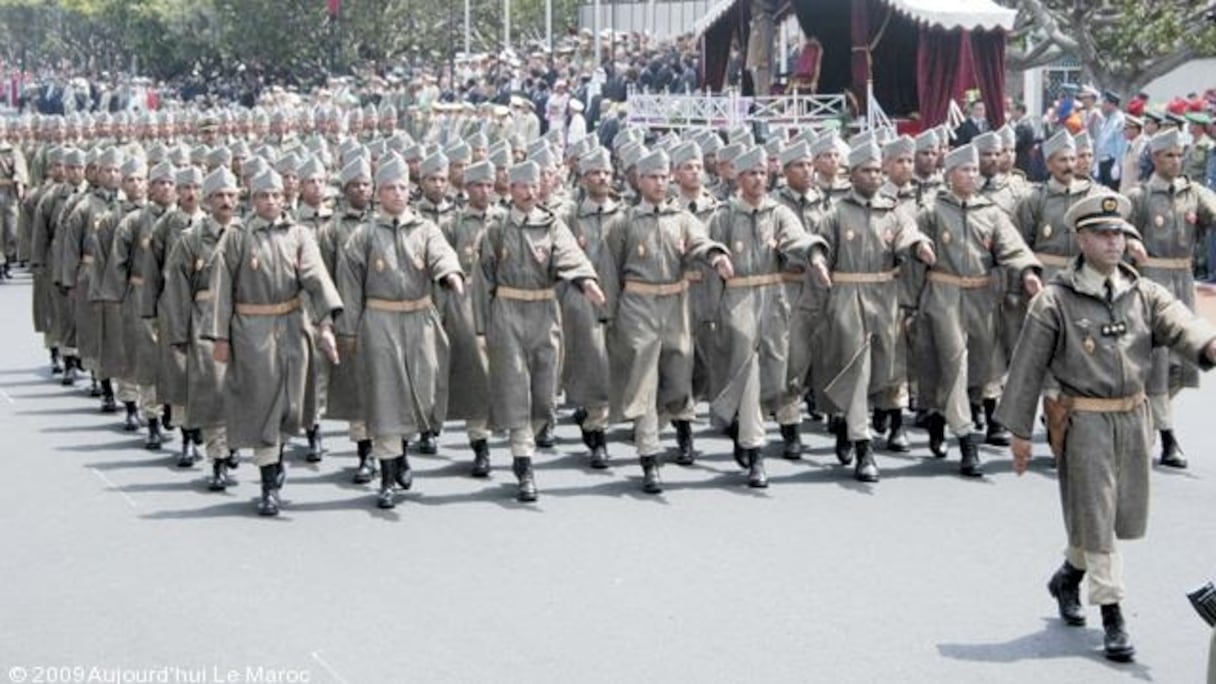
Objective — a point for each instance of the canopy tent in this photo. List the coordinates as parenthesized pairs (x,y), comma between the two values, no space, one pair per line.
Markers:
(919,54)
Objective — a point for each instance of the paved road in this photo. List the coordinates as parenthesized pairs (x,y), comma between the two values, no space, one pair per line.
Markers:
(113,558)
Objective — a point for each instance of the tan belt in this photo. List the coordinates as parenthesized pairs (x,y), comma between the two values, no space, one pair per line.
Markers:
(1093,405)
(202,296)
(965,282)
(1054,260)
(792,277)
(1168,264)
(756,280)
(864,278)
(656,289)
(693,276)
(136,280)
(86,258)
(522,295)
(399,305)
(267,309)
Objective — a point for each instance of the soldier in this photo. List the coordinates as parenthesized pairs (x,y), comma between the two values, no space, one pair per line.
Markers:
(996,186)
(43,304)
(313,213)
(972,236)
(469,369)
(1172,213)
(1196,162)
(46,257)
(459,157)
(764,237)
(14,179)
(644,258)
(186,300)
(925,174)
(1094,329)
(1084,168)
(868,237)
(386,274)
(522,258)
(344,400)
(259,278)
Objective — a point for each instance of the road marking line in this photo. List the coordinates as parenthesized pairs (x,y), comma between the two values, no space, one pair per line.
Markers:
(7,397)
(316,655)
(102,476)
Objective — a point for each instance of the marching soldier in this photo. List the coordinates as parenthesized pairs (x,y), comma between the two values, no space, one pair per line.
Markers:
(972,236)
(386,275)
(522,259)
(43,304)
(313,213)
(46,256)
(259,278)
(644,259)
(1173,214)
(1094,329)
(14,179)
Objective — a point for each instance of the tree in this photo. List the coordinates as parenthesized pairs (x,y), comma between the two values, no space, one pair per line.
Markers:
(1121,44)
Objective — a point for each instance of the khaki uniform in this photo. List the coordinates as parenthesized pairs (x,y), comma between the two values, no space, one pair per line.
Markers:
(1195,161)
(172,381)
(643,263)
(47,255)
(753,313)
(959,334)
(41,305)
(1100,354)
(387,271)
(314,219)
(867,239)
(806,298)
(910,200)
(261,275)
(113,360)
(76,269)
(522,259)
(701,307)
(14,175)
(344,400)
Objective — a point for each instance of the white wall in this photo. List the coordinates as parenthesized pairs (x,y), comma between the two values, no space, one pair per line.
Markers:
(1195,76)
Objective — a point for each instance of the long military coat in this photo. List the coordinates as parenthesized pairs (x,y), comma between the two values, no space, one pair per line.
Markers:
(585,366)
(172,380)
(125,282)
(344,399)
(469,371)
(113,360)
(76,267)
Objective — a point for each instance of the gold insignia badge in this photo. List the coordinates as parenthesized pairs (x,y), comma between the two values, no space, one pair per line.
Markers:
(946,237)
(1088,345)
(848,235)
(1047,231)
(1191,217)
(738,246)
(254,263)
(1110,204)
(540,254)
(379,265)
(1159,220)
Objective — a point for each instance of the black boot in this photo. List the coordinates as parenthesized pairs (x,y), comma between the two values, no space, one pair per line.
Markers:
(71,369)
(166,420)
(481,458)
(220,480)
(897,439)
(94,386)
(684,451)
(1171,453)
(738,452)
(367,464)
(920,419)
(188,454)
(545,438)
(269,503)
(879,421)
(315,450)
(131,422)
(56,364)
(234,459)
(791,442)
(527,484)
(997,434)
(865,470)
(1116,641)
(427,444)
(756,477)
(108,404)
(971,465)
(599,449)
(812,411)
(844,448)
(936,423)
(155,438)
(404,473)
(1065,588)
(388,475)
(977,417)
(651,482)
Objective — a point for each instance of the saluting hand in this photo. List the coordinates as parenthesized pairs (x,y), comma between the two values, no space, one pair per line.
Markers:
(925,254)
(1031,283)
(1135,249)
(1021,454)
(221,352)
(593,293)
(455,282)
(722,265)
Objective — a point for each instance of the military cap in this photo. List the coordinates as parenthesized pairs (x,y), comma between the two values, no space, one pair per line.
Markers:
(219,180)
(863,137)
(1089,91)
(752,159)
(625,136)
(239,149)
(655,162)
(191,175)
(773,148)
(481,172)
(1199,118)
(459,153)
(346,145)
(1112,97)
(388,112)
(311,167)
(827,142)
(884,135)
(537,145)
(163,171)
(501,157)
(415,152)
(478,141)
(1154,115)
(711,144)
(361,152)
(1165,140)
(434,165)
(731,152)
(1102,212)
(988,141)
(898,147)
(1083,141)
(288,165)
(198,154)
(543,158)
(1174,119)
(927,140)
(266,181)
(253,166)
(180,155)
(1008,137)
(864,153)
(798,151)
(55,156)
(74,156)
(134,166)
(525,172)
(1062,140)
(960,156)
(595,160)
(268,153)
(684,153)
(741,135)
(111,157)
(219,156)
(631,153)
(392,169)
(357,169)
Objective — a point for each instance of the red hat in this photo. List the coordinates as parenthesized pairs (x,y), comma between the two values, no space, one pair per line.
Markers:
(1136,107)
(1176,106)
(1196,104)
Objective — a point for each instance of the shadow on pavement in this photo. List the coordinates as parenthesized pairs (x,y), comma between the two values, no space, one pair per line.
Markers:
(1056,640)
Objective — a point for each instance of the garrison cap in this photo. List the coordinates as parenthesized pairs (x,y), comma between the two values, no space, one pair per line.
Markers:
(434,165)
(989,141)
(218,180)
(1062,140)
(266,181)
(685,152)
(865,153)
(163,171)
(525,172)
(959,156)
(597,159)
(654,163)
(392,169)
(481,172)
(899,147)
(754,159)
(1165,140)
(357,169)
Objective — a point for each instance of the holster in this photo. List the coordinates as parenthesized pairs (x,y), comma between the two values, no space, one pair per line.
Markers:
(1057,414)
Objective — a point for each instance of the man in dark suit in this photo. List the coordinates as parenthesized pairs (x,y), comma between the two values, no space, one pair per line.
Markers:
(975,124)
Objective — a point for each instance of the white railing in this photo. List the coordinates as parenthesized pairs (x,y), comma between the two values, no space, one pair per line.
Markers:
(726,110)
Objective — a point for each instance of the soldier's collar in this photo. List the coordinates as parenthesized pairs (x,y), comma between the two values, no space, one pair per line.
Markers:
(1162,185)
(405,218)
(896,191)
(536,217)
(812,193)
(589,207)
(742,205)
(976,200)
(878,201)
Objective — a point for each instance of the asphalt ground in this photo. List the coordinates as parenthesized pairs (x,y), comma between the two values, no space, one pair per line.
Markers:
(117,564)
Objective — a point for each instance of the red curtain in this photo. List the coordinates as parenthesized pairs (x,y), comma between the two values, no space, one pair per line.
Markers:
(732,26)
(860,34)
(988,65)
(937,61)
